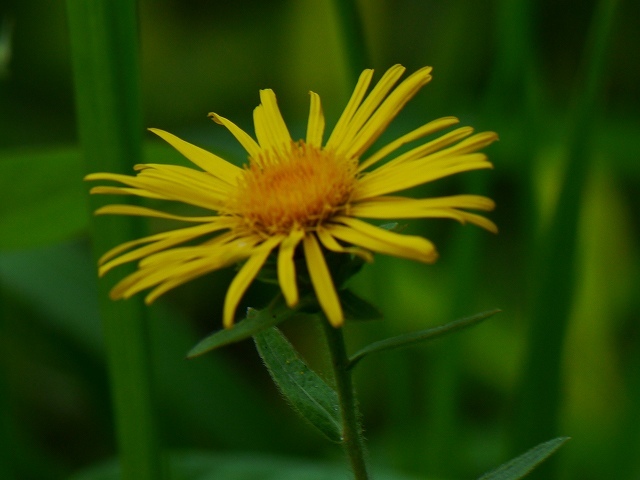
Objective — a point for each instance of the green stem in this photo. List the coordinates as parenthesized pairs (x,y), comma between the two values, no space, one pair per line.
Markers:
(353,440)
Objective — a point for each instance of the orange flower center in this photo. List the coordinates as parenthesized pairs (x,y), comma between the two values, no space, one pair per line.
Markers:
(300,189)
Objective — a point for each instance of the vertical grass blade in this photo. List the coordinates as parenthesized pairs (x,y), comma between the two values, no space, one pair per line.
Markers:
(5,442)
(444,432)
(355,46)
(540,389)
(515,91)
(624,462)
(104,48)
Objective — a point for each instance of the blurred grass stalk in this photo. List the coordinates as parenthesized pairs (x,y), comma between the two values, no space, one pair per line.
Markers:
(354,42)
(508,91)
(5,440)
(540,390)
(104,48)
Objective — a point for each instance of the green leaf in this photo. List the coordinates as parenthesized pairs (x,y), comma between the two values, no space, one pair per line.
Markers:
(53,293)
(42,197)
(240,466)
(522,465)
(254,322)
(357,308)
(307,393)
(420,336)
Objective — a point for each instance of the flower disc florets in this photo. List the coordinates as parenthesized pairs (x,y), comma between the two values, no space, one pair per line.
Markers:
(279,192)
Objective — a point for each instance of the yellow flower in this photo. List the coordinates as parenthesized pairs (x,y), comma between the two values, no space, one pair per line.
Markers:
(297,196)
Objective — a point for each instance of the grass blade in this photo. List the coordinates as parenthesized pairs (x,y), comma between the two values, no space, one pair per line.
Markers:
(540,390)
(104,50)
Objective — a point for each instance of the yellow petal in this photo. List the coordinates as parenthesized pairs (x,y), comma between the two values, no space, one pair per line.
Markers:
(244,278)
(270,128)
(165,277)
(340,130)
(480,221)
(249,144)
(286,267)
(226,243)
(435,151)
(168,187)
(389,109)
(261,129)
(412,174)
(423,131)
(126,191)
(180,273)
(206,160)
(377,239)
(315,126)
(415,211)
(148,212)
(161,275)
(180,276)
(365,111)
(187,177)
(322,282)
(401,207)
(423,151)
(161,241)
(129,282)
(330,243)
(471,144)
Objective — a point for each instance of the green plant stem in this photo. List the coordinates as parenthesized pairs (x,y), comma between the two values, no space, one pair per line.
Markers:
(104,48)
(353,440)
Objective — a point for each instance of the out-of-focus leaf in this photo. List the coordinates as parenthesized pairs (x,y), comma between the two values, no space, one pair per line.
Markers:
(525,463)
(241,466)
(356,308)
(307,393)
(423,335)
(42,197)
(59,285)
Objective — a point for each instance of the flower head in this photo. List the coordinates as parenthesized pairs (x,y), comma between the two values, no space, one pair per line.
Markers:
(297,196)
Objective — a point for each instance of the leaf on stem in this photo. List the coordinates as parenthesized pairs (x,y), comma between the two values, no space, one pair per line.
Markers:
(420,336)
(307,393)
(254,322)
(522,465)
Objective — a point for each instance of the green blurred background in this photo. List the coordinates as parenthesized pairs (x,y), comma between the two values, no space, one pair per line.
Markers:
(452,409)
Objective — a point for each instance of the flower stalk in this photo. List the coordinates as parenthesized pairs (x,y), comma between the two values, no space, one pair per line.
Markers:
(353,441)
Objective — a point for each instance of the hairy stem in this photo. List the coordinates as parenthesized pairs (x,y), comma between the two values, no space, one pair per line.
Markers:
(353,440)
